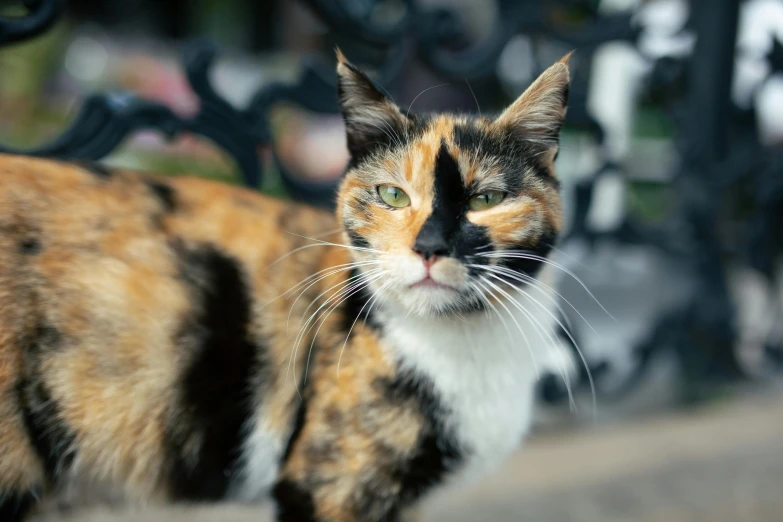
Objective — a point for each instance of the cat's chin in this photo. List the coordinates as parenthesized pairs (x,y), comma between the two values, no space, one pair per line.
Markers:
(435,300)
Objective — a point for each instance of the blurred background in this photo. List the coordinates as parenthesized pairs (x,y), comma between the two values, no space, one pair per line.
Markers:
(672,173)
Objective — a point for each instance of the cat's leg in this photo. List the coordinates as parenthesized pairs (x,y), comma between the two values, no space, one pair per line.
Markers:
(343,467)
(15,506)
(358,457)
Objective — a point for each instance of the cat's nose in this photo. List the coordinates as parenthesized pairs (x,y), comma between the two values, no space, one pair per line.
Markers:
(429,251)
(432,239)
(428,260)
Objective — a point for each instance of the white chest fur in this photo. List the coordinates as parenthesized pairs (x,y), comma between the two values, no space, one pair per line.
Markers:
(484,372)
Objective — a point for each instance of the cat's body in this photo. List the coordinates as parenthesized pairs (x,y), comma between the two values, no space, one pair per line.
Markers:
(185,340)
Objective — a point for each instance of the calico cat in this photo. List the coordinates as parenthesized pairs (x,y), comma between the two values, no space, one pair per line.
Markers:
(185,340)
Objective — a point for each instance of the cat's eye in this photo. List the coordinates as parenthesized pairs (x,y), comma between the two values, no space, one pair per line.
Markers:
(485,200)
(393,196)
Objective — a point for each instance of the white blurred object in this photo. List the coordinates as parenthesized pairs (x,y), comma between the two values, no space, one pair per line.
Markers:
(86,59)
(617,6)
(617,73)
(515,64)
(761,21)
(769,105)
(663,22)
(609,190)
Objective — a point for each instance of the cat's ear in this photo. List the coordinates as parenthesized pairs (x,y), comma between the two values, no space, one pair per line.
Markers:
(371,118)
(537,115)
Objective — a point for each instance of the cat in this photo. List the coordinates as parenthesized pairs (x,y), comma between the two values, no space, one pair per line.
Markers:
(185,340)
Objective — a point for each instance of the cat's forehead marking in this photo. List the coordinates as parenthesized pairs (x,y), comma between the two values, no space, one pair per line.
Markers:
(439,134)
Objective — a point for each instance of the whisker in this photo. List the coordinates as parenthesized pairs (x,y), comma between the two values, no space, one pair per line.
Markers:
(525,278)
(393,138)
(333,270)
(519,326)
(407,114)
(533,257)
(570,337)
(303,330)
(348,280)
(543,332)
(370,300)
(350,266)
(358,288)
(494,308)
(294,251)
(474,96)
(570,257)
(349,247)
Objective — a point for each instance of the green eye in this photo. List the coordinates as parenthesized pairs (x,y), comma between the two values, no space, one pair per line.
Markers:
(393,196)
(485,200)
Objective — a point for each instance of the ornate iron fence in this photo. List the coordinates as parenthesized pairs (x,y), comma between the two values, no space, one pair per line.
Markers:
(718,143)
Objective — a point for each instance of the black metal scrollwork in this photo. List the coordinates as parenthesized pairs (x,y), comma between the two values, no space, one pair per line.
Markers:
(42,14)
(105,121)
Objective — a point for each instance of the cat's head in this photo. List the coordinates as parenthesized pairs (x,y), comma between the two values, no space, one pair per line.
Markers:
(445,210)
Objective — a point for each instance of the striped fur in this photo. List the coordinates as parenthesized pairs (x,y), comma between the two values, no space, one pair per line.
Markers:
(180,339)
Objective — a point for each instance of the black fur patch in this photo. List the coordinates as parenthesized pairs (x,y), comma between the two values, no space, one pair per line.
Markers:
(294,503)
(437,451)
(363,139)
(514,154)
(50,436)
(354,305)
(357,239)
(216,396)
(95,168)
(299,421)
(15,506)
(530,266)
(30,246)
(165,194)
(447,230)
(301,415)
(448,207)
(52,439)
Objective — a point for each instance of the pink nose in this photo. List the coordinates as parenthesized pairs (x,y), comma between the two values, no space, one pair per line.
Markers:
(427,260)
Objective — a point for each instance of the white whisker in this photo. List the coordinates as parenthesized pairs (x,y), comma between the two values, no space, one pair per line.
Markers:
(533,257)
(570,337)
(358,287)
(534,283)
(491,305)
(350,330)
(303,330)
(543,332)
(407,114)
(332,270)
(349,266)
(348,247)
(474,96)
(519,326)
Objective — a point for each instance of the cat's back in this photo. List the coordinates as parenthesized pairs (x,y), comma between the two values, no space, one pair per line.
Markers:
(121,294)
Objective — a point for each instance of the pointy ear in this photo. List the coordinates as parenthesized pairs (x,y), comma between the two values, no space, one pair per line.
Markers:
(537,115)
(371,119)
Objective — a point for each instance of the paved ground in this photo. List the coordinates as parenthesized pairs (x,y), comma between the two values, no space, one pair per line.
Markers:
(716,465)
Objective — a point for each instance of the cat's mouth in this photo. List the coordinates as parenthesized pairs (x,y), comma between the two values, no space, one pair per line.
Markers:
(429,282)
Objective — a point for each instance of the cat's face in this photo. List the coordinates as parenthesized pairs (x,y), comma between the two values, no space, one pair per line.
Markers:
(446,211)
